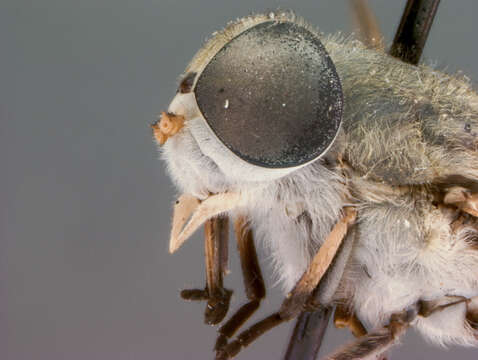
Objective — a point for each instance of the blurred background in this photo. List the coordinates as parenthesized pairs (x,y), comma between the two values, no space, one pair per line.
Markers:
(85,205)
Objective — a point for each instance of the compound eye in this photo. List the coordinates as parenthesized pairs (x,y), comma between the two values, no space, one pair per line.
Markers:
(272,95)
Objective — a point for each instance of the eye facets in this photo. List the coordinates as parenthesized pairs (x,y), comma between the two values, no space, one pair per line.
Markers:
(272,95)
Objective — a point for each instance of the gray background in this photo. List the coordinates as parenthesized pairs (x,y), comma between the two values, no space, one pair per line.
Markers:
(85,205)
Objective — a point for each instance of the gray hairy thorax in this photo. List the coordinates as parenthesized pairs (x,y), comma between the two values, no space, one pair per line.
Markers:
(405,124)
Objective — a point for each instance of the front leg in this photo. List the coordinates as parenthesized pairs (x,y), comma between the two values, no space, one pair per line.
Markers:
(253,282)
(189,214)
(295,301)
(216,240)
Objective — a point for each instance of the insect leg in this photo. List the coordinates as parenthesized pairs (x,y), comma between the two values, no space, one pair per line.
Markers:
(343,317)
(253,282)
(302,291)
(429,307)
(311,326)
(367,24)
(216,240)
(296,301)
(377,342)
(247,337)
(413,30)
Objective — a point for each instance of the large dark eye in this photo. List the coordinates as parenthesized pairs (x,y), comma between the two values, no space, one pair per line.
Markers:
(272,95)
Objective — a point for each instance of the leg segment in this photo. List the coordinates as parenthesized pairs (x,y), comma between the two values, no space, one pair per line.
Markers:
(247,337)
(253,282)
(377,342)
(217,236)
(343,317)
(311,326)
(216,239)
(367,24)
(293,305)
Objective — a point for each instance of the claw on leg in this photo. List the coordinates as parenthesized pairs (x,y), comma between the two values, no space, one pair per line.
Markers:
(247,337)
